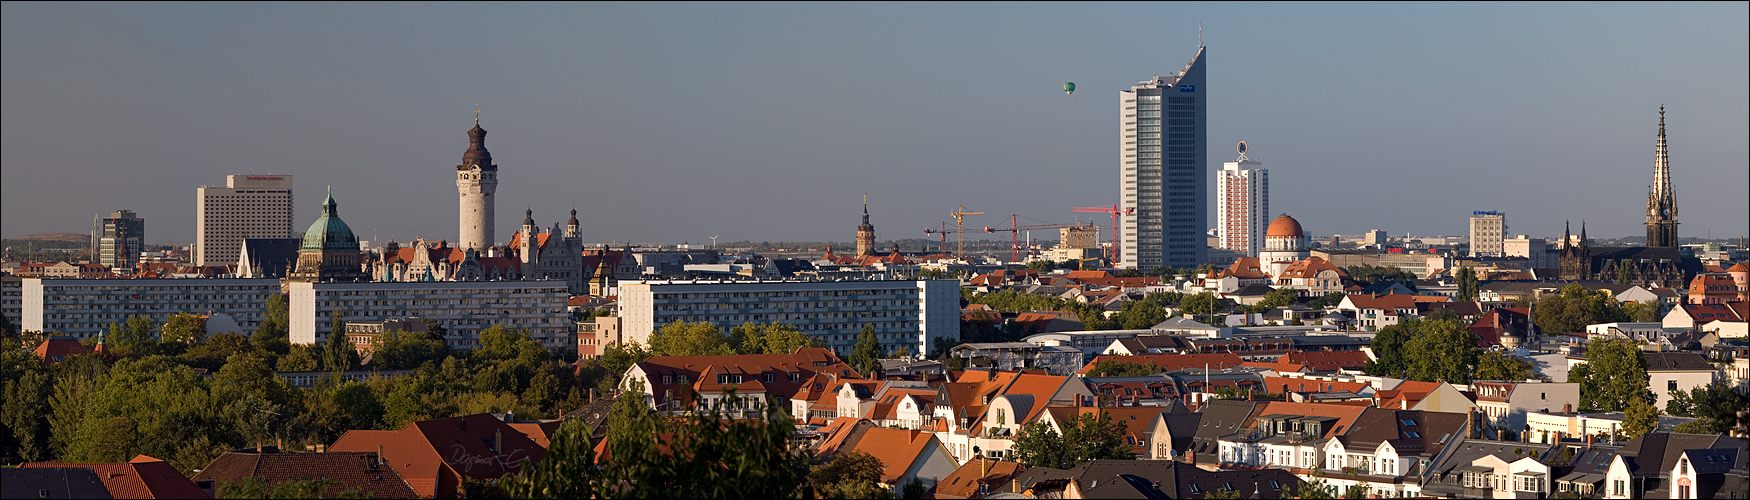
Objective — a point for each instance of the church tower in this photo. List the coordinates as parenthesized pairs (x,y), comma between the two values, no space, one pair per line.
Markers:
(1661,199)
(476,182)
(865,232)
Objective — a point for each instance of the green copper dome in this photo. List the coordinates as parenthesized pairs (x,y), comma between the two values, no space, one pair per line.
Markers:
(329,232)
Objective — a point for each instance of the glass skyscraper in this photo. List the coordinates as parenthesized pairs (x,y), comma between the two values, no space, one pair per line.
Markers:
(1164,124)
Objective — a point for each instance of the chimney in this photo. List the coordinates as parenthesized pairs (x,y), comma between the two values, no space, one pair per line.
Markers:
(258,446)
(498,441)
(1588,440)
(279,443)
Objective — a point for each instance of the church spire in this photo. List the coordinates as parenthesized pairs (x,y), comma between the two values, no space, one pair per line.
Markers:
(1661,198)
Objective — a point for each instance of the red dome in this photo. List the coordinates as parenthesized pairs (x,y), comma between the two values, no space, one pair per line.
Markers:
(1284,226)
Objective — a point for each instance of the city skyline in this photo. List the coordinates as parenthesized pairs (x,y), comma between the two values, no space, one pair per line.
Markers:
(791,114)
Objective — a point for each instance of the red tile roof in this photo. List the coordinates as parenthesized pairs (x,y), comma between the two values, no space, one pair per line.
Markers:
(1244,268)
(363,471)
(966,480)
(434,455)
(1279,384)
(1320,361)
(142,477)
(896,448)
(56,350)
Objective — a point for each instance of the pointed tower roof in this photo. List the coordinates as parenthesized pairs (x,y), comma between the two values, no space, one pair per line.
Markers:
(865,226)
(477,155)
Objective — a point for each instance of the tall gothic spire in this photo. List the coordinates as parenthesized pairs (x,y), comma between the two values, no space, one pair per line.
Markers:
(1661,198)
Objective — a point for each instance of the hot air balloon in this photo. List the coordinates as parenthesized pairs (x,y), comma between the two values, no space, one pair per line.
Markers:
(1069,88)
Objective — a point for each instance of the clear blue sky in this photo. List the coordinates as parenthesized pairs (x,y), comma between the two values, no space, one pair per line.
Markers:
(676,122)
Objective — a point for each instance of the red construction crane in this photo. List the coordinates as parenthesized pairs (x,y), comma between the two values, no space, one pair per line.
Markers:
(1014,231)
(1110,209)
(944,231)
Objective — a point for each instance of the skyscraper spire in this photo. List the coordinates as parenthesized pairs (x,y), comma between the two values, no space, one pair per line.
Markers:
(1661,198)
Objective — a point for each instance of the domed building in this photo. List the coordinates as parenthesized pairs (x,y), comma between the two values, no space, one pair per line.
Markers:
(1284,243)
(329,252)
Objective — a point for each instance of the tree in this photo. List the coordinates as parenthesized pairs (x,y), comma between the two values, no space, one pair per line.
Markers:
(681,338)
(1644,312)
(1094,438)
(1614,375)
(706,455)
(1640,417)
(1388,347)
(866,356)
(212,354)
(852,474)
(1468,289)
(1113,368)
(434,330)
(1279,297)
(1575,307)
(1374,274)
(1199,304)
(1495,365)
(618,357)
(301,358)
(339,354)
(913,489)
(24,418)
(569,472)
(399,350)
(1716,407)
(1625,272)
(1442,349)
(185,329)
(1140,315)
(253,487)
(1332,299)
(770,338)
(274,330)
(1039,445)
(135,337)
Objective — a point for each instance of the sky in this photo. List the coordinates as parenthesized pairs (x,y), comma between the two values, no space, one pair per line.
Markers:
(671,123)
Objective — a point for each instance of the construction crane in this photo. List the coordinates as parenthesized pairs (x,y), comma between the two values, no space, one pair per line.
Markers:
(1014,231)
(944,231)
(960,214)
(1115,211)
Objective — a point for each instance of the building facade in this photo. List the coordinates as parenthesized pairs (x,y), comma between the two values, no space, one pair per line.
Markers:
(329,251)
(83,307)
(1242,202)
(1163,124)
(907,314)
(1284,244)
(476,185)
(123,238)
(249,206)
(464,308)
(1487,229)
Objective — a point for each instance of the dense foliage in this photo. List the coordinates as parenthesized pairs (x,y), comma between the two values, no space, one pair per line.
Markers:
(1614,375)
(1084,439)
(1374,274)
(1438,347)
(1716,407)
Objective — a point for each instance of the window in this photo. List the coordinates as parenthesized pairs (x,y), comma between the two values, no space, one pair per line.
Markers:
(1671,385)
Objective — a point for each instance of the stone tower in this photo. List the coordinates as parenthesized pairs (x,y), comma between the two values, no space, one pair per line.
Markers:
(1661,199)
(865,232)
(476,182)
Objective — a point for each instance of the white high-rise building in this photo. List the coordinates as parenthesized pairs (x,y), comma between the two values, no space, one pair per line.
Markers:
(249,206)
(1162,181)
(1487,229)
(1242,204)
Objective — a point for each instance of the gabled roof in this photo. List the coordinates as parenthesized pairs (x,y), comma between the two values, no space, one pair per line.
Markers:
(896,448)
(1320,361)
(51,482)
(423,451)
(1304,385)
(58,349)
(1675,362)
(1345,414)
(142,477)
(1244,268)
(363,471)
(966,480)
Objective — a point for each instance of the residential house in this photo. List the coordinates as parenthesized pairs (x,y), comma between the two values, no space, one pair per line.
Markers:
(1692,315)
(1489,469)
(1148,344)
(1386,451)
(907,455)
(755,379)
(1670,372)
(365,471)
(976,479)
(1505,403)
(1170,434)
(1150,479)
(51,482)
(1644,466)
(1425,396)
(1373,311)
(435,456)
(1170,362)
(1313,277)
(57,349)
(141,477)
(1220,418)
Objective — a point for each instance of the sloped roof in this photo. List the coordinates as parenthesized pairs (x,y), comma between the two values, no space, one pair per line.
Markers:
(51,482)
(896,448)
(422,450)
(1345,414)
(1321,361)
(1304,385)
(363,471)
(142,477)
(1244,268)
(965,481)
(58,349)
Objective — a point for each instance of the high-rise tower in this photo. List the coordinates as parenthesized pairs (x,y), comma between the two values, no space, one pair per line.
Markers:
(476,182)
(865,232)
(1162,178)
(1242,204)
(1661,199)
(249,206)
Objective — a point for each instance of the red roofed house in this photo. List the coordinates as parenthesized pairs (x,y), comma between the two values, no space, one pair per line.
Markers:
(906,455)
(668,381)
(435,456)
(1693,315)
(142,477)
(1425,396)
(1312,277)
(1320,361)
(58,349)
(1136,421)
(363,471)
(1373,312)
(975,479)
